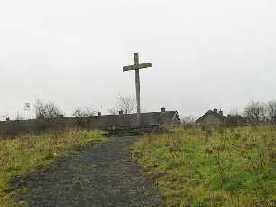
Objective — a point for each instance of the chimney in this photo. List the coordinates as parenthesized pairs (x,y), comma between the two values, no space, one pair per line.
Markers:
(99,113)
(215,110)
(163,109)
(121,112)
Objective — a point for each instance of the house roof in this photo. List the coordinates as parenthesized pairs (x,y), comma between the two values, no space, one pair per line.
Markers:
(96,122)
(130,120)
(213,113)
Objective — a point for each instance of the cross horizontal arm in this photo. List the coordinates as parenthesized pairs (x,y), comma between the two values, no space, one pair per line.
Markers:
(137,67)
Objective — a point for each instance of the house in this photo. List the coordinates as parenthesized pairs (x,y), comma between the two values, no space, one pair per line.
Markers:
(147,120)
(212,118)
(103,122)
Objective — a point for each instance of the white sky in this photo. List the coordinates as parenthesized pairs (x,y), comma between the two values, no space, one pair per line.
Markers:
(205,54)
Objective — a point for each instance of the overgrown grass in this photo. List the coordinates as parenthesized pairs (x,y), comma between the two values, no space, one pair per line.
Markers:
(203,167)
(23,154)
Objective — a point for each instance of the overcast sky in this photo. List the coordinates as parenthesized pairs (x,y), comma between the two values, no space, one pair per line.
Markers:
(205,54)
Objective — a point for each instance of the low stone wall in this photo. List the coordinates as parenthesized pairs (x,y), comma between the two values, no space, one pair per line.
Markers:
(108,122)
(12,128)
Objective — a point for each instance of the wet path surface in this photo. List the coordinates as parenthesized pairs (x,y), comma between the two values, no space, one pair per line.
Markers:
(100,176)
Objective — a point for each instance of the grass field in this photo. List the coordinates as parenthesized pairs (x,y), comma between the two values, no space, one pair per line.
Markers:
(21,155)
(218,167)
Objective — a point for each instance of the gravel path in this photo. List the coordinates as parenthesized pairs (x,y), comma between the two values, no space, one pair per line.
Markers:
(101,176)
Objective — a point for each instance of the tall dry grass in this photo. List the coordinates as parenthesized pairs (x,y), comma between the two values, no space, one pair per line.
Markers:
(212,167)
(22,154)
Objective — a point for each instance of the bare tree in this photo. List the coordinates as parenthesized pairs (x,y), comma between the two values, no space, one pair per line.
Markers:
(255,112)
(18,117)
(47,110)
(84,112)
(188,120)
(271,111)
(81,115)
(126,104)
(113,111)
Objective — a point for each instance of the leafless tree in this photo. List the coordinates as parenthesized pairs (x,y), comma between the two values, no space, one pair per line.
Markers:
(19,117)
(84,112)
(255,112)
(81,115)
(271,111)
(188,120)
(47,110)
(113,111)
(126,104)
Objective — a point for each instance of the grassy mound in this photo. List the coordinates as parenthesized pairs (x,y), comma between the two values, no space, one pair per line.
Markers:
(203,167)
(23,154)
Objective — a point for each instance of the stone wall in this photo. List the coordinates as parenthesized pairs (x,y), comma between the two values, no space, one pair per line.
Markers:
(11,128)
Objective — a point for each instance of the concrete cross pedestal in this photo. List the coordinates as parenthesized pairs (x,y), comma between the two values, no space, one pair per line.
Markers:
(137,66)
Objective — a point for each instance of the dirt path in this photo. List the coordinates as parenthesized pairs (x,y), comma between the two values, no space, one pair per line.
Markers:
(101,176)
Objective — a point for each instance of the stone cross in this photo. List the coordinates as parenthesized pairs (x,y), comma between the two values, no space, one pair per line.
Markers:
(137,66)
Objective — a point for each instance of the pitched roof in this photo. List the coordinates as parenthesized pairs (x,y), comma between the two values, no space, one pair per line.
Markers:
(131,120)
(213,113)
(97,122)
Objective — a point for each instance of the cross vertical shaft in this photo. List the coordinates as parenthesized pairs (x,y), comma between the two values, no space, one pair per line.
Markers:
(137,83)
(137,66)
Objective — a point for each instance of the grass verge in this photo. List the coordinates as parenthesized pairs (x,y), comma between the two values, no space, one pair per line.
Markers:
(23,154)
(218,167)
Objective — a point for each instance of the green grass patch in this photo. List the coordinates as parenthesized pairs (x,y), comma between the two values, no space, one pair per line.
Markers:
(212,167)
(23,154)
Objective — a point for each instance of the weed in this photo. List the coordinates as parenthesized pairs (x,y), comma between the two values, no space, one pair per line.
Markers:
(23,154)
(212,167)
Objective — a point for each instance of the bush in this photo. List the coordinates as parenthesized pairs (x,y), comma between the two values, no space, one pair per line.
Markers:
(47,110)
(82,116)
